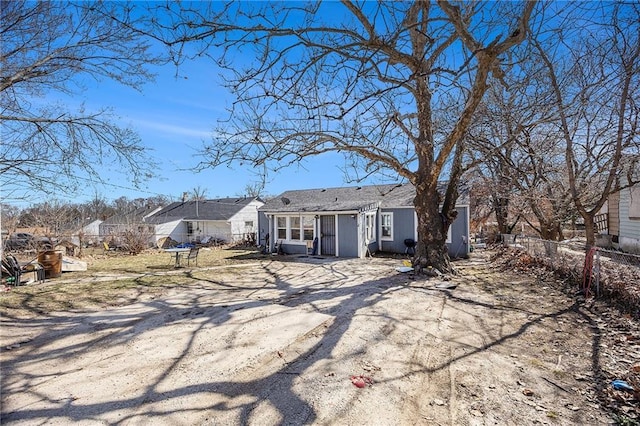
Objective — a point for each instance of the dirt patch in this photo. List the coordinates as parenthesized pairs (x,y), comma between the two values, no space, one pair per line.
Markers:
(313,341)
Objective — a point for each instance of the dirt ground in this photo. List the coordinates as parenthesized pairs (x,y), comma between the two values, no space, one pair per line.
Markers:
(318,341)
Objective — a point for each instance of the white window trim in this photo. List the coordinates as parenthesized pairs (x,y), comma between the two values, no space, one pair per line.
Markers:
(288,239)
(312,228)
(634,203)
(415,233)
(382,237)
(286,228)
(373,228)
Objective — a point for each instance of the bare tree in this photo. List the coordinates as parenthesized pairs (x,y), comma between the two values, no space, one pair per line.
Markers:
(563,133)
(593,77)
(9,220)
(492,144)
(521,163)
(52,217)
(51,49)
(255,189)
(97,208)
(199,193)
(391,85)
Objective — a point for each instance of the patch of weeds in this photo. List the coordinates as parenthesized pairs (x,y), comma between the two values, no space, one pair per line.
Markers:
(536,362)
(560,374)
(622,420)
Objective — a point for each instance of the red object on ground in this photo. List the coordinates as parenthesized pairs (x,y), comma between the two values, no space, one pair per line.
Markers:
(361,381)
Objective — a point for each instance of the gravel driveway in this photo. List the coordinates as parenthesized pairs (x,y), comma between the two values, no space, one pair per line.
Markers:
(312,341)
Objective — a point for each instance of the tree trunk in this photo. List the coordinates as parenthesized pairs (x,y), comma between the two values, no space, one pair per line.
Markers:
(548,231)
(501,207)
(431,249)
(589,229)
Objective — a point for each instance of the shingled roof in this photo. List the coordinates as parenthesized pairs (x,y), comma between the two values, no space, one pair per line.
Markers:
(345,198)
(134,216)
(217,209)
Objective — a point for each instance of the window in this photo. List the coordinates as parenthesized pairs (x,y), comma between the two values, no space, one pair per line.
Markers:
(248,225)
(282,228)
(307,228)
(369,227)
(295,227)
(634,202)
(386,222)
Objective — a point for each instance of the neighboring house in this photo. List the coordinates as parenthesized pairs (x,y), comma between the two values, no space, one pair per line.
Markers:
(624,219)
(352,221)
(113,227)
(90,233)
(223,219)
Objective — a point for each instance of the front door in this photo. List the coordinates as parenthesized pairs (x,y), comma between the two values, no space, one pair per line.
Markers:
(328,235)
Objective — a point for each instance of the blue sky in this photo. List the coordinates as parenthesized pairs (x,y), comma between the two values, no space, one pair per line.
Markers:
(173,115)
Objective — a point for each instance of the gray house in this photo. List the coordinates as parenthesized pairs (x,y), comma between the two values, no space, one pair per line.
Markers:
(353,221)
(222,219)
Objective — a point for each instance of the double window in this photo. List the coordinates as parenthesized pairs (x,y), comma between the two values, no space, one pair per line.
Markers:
(295,228)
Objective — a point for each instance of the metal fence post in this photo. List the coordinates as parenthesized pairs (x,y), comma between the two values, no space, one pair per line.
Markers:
(597,266)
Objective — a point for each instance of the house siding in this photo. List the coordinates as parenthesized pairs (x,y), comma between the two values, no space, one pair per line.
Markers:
(629,233)
(404,227)
(263,228)
(91,234)
(294,248)
(347,235)
(174,230)
(239,231)
(459,245)
(218,229)
(614,214)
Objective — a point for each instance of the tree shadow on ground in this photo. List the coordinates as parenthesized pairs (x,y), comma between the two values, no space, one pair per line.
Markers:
(328,290)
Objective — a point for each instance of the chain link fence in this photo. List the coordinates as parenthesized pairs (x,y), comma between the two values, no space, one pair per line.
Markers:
(598,272)
(127,240)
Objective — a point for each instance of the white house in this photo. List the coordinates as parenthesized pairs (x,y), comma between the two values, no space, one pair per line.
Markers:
(624,219)
(90,233)
(223,219)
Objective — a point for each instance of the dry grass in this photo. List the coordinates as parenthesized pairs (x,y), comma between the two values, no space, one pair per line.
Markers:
(114,279)
(158,260)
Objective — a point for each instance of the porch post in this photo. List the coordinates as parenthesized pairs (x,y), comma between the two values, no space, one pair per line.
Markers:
(271,233)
